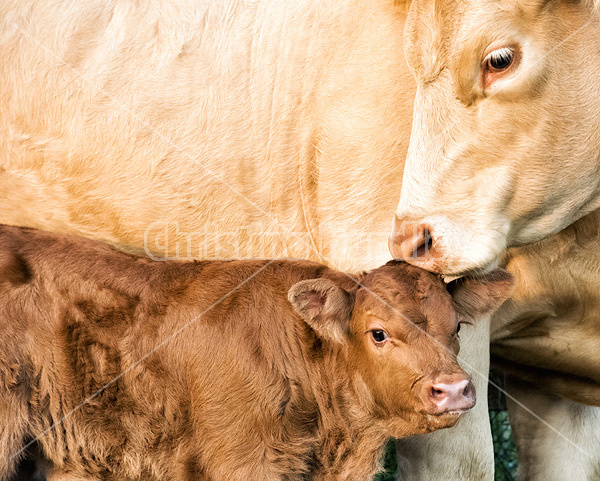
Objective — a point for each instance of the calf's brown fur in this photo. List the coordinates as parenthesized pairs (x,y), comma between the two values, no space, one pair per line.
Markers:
(126,368)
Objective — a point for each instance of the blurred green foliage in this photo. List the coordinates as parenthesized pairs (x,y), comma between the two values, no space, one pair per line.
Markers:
(389,464)
(505,451)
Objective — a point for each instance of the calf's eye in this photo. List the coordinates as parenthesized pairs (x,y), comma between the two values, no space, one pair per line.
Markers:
(379,336)
(499,60)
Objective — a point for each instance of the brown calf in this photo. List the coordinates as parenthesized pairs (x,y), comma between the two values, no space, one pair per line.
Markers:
(126,368)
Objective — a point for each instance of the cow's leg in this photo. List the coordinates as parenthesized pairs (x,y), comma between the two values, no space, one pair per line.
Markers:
(569,449)
(465,452)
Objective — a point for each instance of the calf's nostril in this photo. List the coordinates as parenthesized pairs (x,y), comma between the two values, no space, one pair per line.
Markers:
(453,392)
(469,390)
(438,394)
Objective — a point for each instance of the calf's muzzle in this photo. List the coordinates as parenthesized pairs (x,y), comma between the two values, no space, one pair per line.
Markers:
(450,393)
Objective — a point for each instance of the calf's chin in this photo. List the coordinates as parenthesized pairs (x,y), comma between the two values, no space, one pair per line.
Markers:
(416,423)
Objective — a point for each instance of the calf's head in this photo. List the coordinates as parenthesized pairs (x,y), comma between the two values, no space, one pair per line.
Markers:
(505,143)
(399,330)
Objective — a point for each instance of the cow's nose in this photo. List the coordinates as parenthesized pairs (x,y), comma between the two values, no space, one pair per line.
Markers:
(452,393)
(410,240)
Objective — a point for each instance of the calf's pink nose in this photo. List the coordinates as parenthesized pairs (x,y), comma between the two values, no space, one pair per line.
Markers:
(409,240)
(453,393)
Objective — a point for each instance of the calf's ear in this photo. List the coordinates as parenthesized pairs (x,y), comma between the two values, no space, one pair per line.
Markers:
(13,268)
(324,306)
(479,296)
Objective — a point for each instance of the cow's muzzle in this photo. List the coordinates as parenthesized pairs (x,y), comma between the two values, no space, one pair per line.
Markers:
(413,241)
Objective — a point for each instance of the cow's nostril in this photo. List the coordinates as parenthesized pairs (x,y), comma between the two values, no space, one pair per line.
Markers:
(425,246)
(410,240)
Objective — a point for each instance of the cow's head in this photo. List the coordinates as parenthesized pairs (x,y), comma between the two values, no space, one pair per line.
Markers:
(400,328)
(505,142)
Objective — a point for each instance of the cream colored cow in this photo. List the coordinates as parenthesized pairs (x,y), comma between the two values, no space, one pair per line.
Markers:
(219,128)
(505,144)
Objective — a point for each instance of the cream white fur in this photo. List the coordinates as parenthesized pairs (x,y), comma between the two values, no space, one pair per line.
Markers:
(220,120)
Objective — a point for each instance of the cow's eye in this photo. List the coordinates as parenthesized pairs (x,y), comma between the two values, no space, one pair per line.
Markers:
(499,60)
(379,336)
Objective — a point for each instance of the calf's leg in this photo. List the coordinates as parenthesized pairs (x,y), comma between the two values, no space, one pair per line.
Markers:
(464,452)
(561,443)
